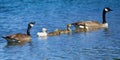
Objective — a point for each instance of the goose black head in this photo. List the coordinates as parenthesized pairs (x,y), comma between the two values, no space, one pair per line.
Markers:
(107,9)
(31,24)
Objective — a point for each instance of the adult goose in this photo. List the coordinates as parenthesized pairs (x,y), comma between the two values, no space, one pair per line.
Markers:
(95,24)
(19,37)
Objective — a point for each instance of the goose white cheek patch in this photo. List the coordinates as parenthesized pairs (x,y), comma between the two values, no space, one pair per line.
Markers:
(106,9)
(32,25)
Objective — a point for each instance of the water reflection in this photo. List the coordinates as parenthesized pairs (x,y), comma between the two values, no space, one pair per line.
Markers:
(17,44)
(42,37)
(78,30)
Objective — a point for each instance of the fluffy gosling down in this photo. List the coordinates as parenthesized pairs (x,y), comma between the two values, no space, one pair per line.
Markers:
(67,31)
(43,33)
(55,33)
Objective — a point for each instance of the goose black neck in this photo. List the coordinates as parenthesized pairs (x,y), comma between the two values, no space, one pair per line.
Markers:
(104,17)
(28,30)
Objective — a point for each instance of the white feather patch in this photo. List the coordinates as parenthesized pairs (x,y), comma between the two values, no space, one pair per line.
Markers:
(81,26)
(41,34)
(106,9)
(106,24)
(31,25)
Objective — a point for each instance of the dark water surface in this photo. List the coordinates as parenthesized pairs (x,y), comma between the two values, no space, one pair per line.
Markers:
(52,14)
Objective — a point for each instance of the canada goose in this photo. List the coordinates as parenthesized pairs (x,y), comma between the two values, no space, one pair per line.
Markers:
(67,31)
(19,37)
(43,33)
(90,24)
(56,32)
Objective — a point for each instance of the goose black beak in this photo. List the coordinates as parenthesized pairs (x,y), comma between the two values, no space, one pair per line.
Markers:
(32,23)
(3,36)
(111,10)
(73,23)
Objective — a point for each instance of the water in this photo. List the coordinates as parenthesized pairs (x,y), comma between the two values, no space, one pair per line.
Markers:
(52,14)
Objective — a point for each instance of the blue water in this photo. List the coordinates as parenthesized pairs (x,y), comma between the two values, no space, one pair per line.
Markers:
(52,14)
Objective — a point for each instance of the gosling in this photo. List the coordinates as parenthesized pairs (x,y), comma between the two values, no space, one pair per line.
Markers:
(67,31)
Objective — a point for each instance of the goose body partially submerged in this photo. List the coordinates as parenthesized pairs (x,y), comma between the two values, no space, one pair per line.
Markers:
(19,37)
(89,24)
